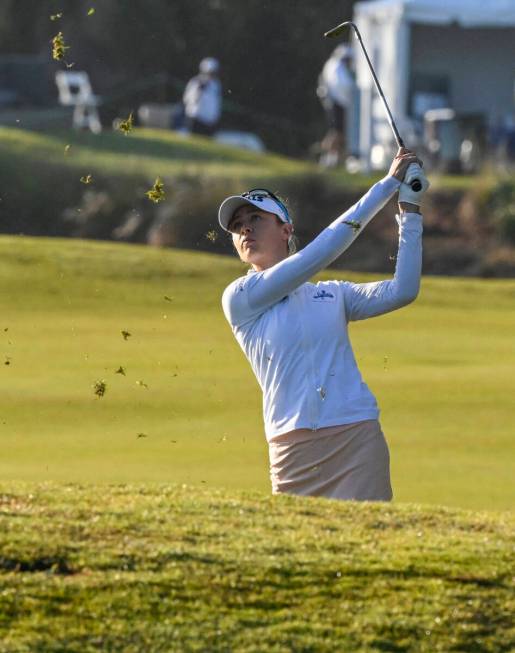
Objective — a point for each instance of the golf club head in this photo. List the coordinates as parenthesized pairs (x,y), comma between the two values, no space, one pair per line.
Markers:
(339,29)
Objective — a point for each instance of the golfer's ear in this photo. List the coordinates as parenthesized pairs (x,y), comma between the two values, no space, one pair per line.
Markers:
(288,229)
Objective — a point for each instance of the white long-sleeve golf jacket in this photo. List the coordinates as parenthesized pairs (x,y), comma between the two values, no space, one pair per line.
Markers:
(294,333)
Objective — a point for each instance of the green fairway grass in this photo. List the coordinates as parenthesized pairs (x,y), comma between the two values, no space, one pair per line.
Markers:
(188,409)
(178,569)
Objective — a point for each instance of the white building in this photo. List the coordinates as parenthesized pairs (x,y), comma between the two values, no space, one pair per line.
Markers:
(431,54)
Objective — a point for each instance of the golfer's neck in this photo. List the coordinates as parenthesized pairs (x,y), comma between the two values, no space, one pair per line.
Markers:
(269,262)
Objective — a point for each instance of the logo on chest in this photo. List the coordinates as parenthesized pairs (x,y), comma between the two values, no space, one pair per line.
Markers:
(323,296)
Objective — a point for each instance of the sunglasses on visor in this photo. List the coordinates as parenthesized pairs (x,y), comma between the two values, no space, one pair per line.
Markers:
(263,193)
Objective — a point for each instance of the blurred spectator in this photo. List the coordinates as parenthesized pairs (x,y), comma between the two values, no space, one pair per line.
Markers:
(502,141)
(203,99)
(336,88)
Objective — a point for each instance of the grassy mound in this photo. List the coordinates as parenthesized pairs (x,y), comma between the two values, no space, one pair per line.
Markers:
(144,152)
(43,188)
(76,184)
(178,568)
(151,152)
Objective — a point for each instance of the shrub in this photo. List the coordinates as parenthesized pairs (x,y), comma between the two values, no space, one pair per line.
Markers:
(503,206)
(499,262)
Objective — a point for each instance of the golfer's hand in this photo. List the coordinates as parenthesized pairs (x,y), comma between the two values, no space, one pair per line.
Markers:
(400,163)
(409,198)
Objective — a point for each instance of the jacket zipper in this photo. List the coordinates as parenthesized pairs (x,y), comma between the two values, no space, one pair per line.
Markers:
(308,354)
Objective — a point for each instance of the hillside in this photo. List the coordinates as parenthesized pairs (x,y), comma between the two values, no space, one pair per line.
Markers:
(67,183)
(144,152)
(185,407)
(151,567)
(147,152)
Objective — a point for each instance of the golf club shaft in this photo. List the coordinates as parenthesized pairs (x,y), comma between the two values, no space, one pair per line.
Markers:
(415,184)
(336,32)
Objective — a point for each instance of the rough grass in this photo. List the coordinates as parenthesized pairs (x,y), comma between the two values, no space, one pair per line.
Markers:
(158,567)
(188,409)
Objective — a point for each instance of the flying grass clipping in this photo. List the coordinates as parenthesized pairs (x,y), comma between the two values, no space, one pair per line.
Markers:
(99,388)
(59,47)
(157,193)
(352,223)
(126,126)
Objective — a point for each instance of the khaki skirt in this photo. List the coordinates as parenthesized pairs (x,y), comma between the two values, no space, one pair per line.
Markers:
(344,462)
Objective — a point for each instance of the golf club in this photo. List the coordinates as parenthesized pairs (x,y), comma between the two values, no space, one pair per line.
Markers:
(336,31)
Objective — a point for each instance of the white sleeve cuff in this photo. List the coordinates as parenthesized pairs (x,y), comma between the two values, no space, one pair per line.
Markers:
(409,219)
(391,181)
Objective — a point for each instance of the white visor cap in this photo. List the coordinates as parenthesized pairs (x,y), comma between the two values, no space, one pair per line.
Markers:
(209,66)
(231,204)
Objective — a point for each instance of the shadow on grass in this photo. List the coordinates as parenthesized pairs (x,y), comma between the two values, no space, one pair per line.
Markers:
(387,646)
(54,564)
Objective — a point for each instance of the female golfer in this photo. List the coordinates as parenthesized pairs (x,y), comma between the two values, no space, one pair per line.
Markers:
(321,420)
